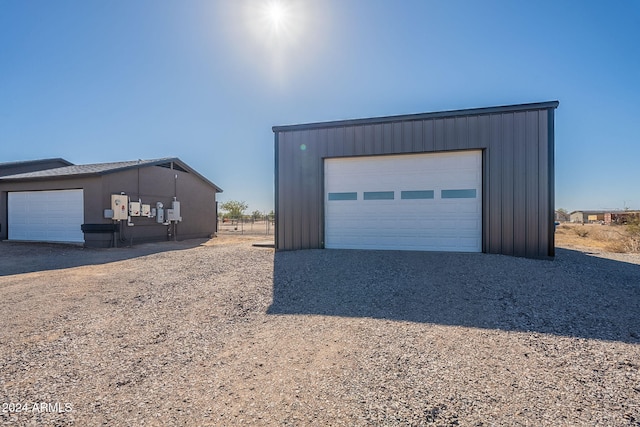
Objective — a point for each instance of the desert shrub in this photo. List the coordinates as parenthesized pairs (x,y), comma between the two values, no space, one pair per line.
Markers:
(633,232)
(618,246)
(581,231)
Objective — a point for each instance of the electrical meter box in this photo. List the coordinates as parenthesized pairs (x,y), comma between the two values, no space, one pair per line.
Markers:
(159,213)
(173,214)
(175,205)
(145,211)
(134,208)
(119,206)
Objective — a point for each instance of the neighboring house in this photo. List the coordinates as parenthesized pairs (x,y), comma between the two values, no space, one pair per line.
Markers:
(78,203)
(621,217)
(585,217)
(12,168)
(476,180)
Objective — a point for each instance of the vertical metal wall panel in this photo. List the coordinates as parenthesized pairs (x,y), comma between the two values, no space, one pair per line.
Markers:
(450,134)
(281,187)
(533,183)
(407,137)
(463,124)
(337,148)
(517,143)
(549,223)
(438,135)
(349,141)
(417,142)
(369,139)
(396,141)
(495,184)
(519,185)
(284,185)
(378,137)
(289,180)
(323,152)
(291,192)
(507,184)
(387,138)
(480,137)
(294,203)
(544,178)
(428,131)
(307,175)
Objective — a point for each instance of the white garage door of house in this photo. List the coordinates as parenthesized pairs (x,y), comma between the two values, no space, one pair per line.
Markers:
(429,202)
(46,216)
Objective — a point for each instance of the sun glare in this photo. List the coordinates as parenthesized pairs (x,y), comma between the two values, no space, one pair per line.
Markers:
(278,35)
(276,13)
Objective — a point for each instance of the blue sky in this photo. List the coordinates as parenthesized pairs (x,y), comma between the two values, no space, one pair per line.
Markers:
(98,81)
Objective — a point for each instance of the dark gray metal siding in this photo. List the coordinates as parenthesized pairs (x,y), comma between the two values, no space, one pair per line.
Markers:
(518,179)
(150,183)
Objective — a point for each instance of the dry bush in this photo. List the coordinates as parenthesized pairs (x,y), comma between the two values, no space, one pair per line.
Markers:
(618,246)
(581,231)
(614,238)
(633,245)
(633,239)
(627,238)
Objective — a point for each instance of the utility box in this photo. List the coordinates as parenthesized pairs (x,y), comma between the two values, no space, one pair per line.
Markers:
(173,214)
(119,206)
(134,208)
(175,205)
(145,211)
(159,213)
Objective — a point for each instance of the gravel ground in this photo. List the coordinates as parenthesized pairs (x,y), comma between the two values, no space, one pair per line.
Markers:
(195,333)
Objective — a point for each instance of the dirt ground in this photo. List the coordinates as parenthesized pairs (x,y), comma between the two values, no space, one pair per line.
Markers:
(221,333)
(589,237)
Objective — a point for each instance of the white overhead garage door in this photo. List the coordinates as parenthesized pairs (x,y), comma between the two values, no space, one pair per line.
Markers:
(430,202)
(46,216)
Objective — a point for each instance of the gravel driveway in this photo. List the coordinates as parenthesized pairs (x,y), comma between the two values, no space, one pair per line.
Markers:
(221,334)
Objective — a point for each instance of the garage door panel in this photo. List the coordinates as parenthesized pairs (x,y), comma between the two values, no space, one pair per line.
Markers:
(441,208)
(47,216)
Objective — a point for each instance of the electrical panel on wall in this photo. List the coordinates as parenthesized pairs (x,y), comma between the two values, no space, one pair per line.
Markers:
(173,214)
(145,211)
(119,206)
(134,208)
(159,213)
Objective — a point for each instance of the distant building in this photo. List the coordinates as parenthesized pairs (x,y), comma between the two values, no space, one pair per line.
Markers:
(620,217)
(585,217)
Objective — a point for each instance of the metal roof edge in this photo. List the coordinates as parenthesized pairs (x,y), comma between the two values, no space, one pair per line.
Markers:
(12,178)
(37,161)
(420,116)
(142,163)
(156,162)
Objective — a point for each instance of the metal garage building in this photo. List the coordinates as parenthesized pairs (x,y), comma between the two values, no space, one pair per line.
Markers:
(476,180)
(98,203)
